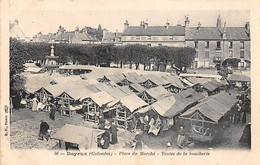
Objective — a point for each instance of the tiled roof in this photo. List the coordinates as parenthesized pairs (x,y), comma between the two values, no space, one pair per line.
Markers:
(64,36)
(108,37)
(43,38)
(154,31)
(215,33)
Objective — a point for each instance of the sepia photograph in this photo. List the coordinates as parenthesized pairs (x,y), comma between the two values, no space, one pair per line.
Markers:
(94,82)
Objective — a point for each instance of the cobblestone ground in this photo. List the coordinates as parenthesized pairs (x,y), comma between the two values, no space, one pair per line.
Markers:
(25,128)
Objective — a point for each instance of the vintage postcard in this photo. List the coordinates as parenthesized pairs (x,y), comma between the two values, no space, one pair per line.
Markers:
(129,82)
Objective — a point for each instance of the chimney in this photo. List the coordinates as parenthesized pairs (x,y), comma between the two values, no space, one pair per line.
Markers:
(145,24)
(224,35)
(61,29)
(187,22)
(167,24)
(77,30)
(247,26)
(16,22)
(199,26)
(126,24)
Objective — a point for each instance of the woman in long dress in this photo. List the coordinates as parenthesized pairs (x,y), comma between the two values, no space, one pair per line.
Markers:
(35,103)
(53,110)
(113,130)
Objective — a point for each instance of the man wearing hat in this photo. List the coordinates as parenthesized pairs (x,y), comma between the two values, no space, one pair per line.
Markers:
(53,110)
(138,142)
(101,122)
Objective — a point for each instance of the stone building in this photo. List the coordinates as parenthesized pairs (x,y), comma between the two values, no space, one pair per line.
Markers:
(154,35)
(220,42)
(15,30)
(111,38)
(63,36)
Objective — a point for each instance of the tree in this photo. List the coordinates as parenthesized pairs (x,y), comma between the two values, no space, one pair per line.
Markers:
(100,32)
(16,60)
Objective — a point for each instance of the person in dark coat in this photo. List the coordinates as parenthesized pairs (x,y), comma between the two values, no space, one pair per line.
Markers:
(247,104)
(101,122)
(105,140)
(84,112)
(44,127)
(138,145)
(131,125)
(113,130)
(53,110)
(243,110)
(237,113)
(246,136)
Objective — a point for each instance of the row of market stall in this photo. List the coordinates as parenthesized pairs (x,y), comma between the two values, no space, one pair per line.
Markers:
(122,96)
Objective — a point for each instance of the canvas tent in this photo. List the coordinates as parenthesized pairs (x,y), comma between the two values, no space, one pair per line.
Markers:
(133,77)
(114,91)
(68,98)
(109,78)
(33,69)
(95,103)
(175,84)
(239,78)
(191,96)
(136,88)
(153,94)
(164,110)
(212,86)
(152,81)
(208,112)
(84,137)
(52,90)
(167,107)
(35,82)
(124,107)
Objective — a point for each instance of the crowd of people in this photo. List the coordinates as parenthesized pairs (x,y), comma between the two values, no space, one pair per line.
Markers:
(149,122)
(240,109)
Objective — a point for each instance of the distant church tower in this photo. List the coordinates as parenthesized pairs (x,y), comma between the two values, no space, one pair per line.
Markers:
(219,24)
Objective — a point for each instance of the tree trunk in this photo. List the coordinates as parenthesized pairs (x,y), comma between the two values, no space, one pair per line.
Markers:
(158,66)
(165,65)
(121,64)
(136,66)
(130,65)
(144,66)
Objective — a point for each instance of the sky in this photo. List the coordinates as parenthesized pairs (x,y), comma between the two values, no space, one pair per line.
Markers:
(45,15)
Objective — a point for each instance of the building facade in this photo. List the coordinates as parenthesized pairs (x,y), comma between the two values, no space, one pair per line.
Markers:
(63,36)
(153,35)
(211,43)
(218,42)
(16,32)
(111,38)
